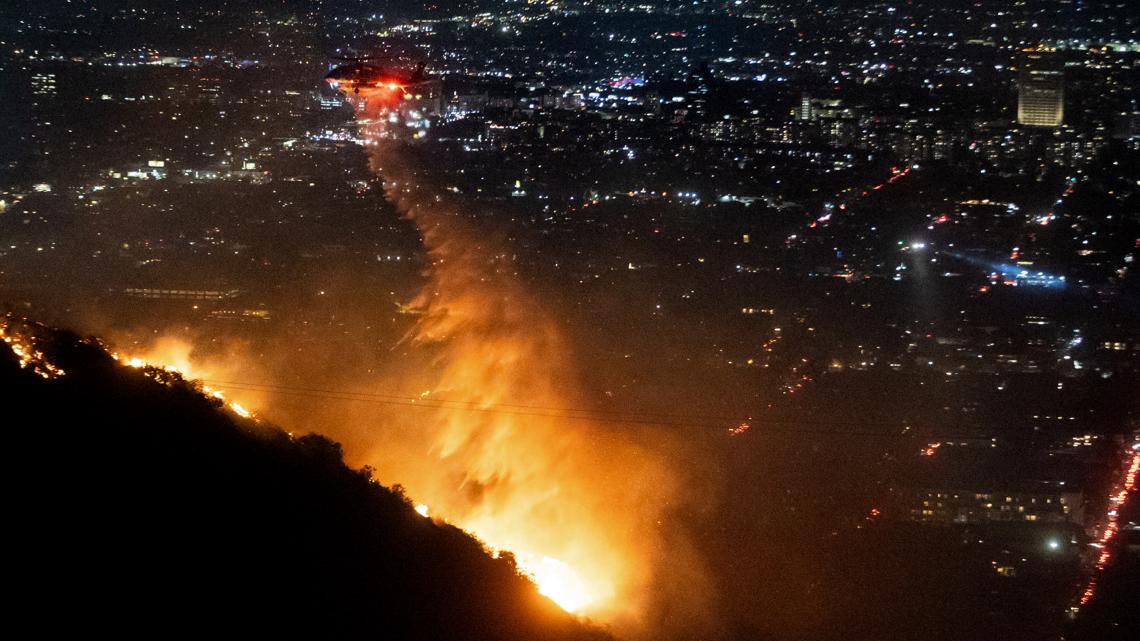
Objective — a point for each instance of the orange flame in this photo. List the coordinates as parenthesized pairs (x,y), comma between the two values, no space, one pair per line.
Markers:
(584,509)
(174,354)
(579,506)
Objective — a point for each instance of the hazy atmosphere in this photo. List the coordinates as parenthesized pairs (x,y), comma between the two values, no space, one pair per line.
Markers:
(575,320)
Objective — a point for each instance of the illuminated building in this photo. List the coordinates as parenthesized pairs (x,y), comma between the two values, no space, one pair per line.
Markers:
(425,97)
(819,108)
(43,84)
(972,507)
(330,102)
(804,111)
(1040,91)
(181,294)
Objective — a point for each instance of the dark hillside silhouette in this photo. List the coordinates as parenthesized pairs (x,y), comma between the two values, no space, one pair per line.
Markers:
(136,508)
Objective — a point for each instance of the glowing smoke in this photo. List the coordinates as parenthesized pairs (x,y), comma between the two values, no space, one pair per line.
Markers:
(584,508)
(580,506)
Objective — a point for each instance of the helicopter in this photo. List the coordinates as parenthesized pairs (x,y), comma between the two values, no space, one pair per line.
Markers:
(356,73)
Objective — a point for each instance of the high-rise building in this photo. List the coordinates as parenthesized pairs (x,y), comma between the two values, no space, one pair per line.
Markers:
(1040,91)
(818,108)
(804,111)
(43,84)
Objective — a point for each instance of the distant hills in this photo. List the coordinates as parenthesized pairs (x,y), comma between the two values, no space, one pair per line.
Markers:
(137,506)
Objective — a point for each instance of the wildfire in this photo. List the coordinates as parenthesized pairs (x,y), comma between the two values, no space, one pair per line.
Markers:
(554,578)
(559,582)
(573,502)
(582,507)
(28,356)
(240,410)
(174,357)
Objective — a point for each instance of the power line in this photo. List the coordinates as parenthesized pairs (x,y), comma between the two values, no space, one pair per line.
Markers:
(473,404)
(570,413)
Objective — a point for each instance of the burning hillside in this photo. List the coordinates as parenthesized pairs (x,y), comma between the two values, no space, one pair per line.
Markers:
(145,503)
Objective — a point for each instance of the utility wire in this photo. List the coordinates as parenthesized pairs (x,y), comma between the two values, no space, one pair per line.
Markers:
(581,414)
(473,404)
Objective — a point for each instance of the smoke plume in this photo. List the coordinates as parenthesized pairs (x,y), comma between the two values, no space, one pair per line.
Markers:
(582,505)
(587,508)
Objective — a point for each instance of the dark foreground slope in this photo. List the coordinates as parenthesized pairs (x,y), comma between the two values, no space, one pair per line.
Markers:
(139,507)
